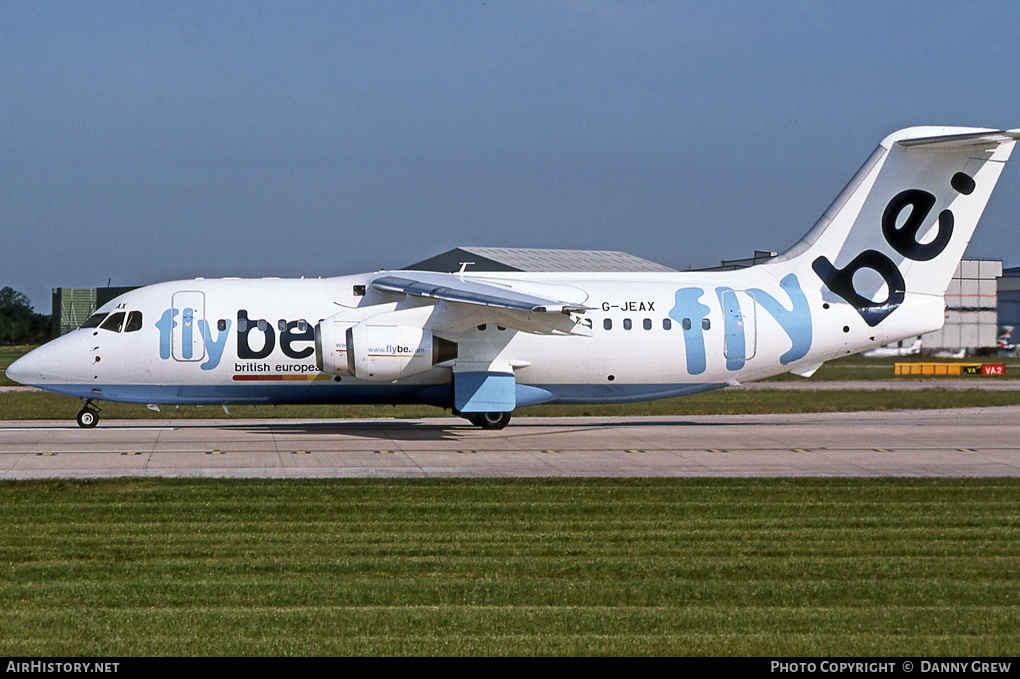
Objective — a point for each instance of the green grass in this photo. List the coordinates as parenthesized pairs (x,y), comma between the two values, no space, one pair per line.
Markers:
(41,405)
(668,567)
(864,368)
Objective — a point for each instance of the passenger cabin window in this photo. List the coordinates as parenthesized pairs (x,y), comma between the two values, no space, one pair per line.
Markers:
(706,324)
(94,320)
(647,324)
(666,324)
(114,322)
(221,324)
(134,322)
(607,323)
(686,323)
(627,325)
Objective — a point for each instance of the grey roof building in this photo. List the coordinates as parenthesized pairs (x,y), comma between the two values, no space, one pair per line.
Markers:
(1009,299)
(760,257)
(532,259)
(71,306)
(971,309)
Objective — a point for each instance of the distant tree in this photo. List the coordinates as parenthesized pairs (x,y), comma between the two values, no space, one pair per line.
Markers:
(19,324)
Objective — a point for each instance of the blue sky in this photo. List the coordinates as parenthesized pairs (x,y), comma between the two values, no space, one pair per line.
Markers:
(142,142)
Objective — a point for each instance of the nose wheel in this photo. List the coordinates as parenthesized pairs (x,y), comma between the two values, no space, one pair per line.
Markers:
(88,416)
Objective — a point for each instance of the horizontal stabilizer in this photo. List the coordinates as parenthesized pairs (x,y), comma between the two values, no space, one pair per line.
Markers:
(960,141)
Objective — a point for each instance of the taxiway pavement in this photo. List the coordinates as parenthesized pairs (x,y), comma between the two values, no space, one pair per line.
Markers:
(967,442)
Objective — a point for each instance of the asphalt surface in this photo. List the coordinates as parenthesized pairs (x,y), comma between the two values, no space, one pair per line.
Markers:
(970,442)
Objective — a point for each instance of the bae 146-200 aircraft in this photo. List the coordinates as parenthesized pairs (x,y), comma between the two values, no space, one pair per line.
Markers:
(872,270)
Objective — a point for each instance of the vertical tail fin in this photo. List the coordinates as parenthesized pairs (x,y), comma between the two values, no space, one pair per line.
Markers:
(903,222)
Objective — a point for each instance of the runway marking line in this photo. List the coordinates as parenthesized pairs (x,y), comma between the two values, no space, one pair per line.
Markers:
(551,452)
(801,450)
(633,450)
(215,452)
(466,452)
(73,427)
(716,450)
(383,452)
(882,450)
(300,452)
(967,450)
(46,454)
(130,453)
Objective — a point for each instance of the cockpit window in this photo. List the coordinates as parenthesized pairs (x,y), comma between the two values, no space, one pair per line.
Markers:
(134,321)
(114,323)
(94,320)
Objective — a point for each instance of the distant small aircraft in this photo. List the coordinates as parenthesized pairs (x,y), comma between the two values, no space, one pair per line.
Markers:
(873,270)
(1004,342)
(894,350)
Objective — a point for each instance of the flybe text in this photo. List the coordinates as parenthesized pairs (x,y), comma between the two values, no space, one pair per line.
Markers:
(255,338)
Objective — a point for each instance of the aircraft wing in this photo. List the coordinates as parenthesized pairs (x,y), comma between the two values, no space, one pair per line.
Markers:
(455,289)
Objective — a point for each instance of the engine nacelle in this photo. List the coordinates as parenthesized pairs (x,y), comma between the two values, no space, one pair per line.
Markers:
(379,353)
(331,345)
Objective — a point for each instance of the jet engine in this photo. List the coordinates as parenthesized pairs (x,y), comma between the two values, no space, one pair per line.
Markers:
(378,353)
(331,345)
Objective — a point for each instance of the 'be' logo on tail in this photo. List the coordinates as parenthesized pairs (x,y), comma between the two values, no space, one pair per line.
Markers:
(904,241)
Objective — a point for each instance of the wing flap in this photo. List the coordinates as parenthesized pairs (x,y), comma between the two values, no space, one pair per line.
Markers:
(458,290)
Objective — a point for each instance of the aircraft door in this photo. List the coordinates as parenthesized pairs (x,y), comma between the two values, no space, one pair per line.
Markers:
(186,341)
(741,340)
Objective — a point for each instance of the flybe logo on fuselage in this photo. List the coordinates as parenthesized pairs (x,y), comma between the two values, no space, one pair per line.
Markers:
(256,338)
(692,314)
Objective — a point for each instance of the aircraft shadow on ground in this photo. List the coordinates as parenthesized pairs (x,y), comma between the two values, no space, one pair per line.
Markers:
(410,431)
(424,430)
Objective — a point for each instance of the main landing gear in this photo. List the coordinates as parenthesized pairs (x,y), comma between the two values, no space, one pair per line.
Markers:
(88,416)
(494,420)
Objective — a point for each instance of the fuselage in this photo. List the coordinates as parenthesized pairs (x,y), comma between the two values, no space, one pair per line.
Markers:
(649,335)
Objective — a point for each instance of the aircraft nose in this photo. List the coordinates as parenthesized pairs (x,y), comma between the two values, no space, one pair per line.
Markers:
(26,370)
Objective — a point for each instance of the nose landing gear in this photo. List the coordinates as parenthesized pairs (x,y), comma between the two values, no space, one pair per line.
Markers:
(88,416)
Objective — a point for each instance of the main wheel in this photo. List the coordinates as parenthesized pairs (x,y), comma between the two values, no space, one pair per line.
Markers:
(493,420)
(87,418)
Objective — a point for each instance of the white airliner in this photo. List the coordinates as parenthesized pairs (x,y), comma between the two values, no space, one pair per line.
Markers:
(872,270)
(896,349)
